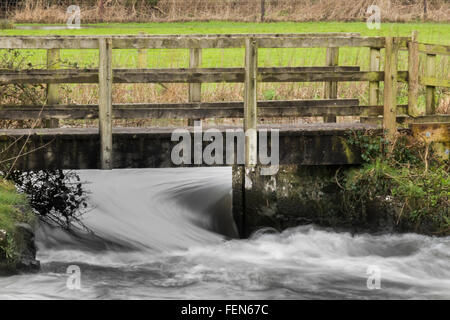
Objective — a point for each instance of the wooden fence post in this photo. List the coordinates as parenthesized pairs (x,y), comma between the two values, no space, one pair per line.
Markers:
(413,76)
(105,102)
(142,56)
(430,90)
(53,61)
(374,86)
(250,102)
(331,88)
(390,88)
(195,89)
(263,10)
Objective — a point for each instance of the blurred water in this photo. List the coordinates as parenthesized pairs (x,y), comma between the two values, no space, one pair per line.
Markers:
(168,234)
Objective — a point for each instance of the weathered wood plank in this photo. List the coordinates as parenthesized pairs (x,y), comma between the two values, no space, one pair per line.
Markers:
(250,102)
(233,75)
(331,88)
(374,86)
(262,104)
(188,113)
(413,76)
(91,42)
(434,118)
(318,42)
(390,89)
(341,107)
(434,82)
(430,73)
(405,119)
(329,76)
(105,102)
(53,63)
(434,49)
(195,89)
(432,132)
(142,57)
(188,41)
(437,133)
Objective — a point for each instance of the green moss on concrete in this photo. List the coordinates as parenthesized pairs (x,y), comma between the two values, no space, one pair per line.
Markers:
(296,195)
(349,152)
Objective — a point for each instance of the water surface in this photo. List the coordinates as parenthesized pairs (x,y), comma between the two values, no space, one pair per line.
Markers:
(169,234)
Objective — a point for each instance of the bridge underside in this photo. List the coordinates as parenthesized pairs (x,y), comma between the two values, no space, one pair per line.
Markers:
(79,148)
(304,190)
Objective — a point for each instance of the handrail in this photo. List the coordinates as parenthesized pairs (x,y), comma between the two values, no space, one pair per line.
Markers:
(250,109)
(198,41)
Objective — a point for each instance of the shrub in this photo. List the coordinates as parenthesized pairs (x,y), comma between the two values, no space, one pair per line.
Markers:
(56,196)
(406,177)
(6,24)
(19,93)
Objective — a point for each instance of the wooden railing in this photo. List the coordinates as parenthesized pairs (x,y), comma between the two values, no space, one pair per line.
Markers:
(250,74)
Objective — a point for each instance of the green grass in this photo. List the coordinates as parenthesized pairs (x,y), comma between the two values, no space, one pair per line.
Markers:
(14,208)
(10,200)
(428,32)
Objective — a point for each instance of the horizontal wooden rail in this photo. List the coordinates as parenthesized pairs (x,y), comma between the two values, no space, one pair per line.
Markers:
(406,119)
(434,49)
(204,75)
(434,118)
(300,108)
(434,82)
(188,41)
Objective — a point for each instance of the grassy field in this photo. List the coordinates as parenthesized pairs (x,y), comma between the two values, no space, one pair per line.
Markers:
(164,58)
(428,32)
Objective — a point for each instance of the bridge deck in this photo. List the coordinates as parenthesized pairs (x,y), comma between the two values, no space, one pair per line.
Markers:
(78,148)
(313,128)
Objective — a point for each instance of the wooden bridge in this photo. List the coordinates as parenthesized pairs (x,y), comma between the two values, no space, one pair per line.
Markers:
(46,143)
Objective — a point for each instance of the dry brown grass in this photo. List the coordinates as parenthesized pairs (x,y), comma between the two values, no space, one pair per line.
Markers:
(233,10)
(444,103)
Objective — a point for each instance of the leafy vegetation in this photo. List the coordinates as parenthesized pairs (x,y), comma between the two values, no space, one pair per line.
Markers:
(19,93)
(14,209)
(56,196)
(405,177)
(53,197)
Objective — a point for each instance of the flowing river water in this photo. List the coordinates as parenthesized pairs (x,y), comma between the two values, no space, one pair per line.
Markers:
(169,234)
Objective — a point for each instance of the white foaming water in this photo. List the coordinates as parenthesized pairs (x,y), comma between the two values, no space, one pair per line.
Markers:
(165,234)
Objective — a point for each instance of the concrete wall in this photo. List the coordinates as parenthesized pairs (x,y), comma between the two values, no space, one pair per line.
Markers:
(151,148)
(298,195)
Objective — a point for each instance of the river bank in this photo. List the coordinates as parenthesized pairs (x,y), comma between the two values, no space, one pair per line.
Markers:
(17,247)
